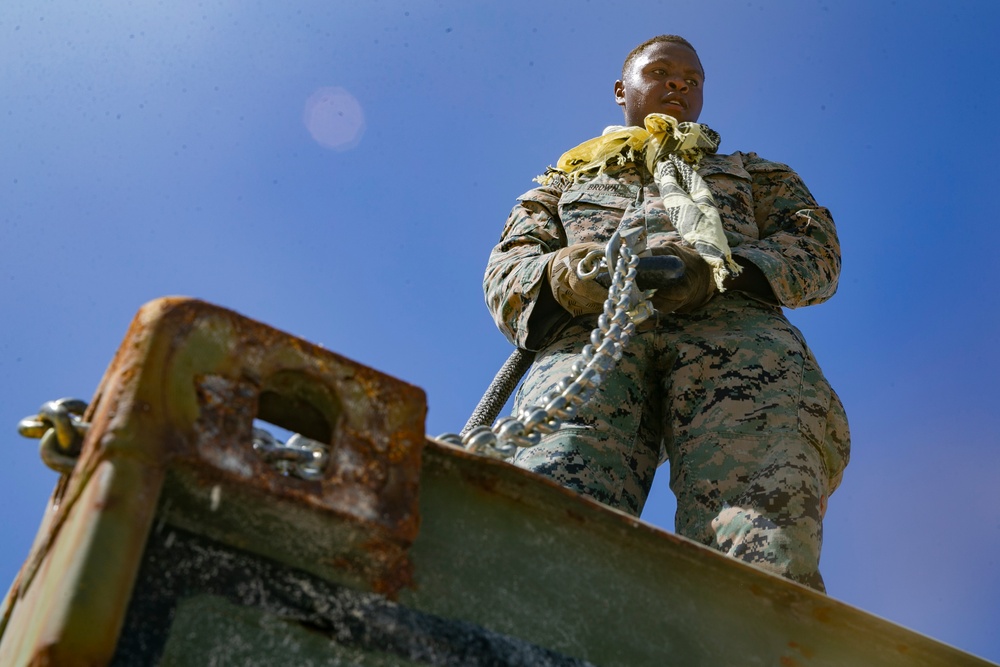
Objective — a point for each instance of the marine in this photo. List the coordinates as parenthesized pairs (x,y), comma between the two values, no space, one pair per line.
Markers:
(718,383)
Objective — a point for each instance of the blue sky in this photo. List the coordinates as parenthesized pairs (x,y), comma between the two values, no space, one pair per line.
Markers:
(341,170)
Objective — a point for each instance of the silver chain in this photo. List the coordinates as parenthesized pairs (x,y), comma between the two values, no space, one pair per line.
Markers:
(60,428)
(300,457)
(625,307)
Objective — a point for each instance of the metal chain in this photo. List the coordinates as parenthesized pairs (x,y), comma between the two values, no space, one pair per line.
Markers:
(60,427)
(625,307)
(300,457)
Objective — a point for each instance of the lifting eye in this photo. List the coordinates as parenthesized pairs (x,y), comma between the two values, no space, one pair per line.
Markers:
(297,403)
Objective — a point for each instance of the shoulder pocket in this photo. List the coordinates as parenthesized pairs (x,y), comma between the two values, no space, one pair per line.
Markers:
(756,164)
(732,188)
(547,197)
(724,165)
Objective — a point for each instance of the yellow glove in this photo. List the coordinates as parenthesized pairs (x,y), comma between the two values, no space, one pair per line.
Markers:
(691,291)
(577,295)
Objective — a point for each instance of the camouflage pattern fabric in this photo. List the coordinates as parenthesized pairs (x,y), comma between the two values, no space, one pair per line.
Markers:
(732,397)
(730,394)
(769,217)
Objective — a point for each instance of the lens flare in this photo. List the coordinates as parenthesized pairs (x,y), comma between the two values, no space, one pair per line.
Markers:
(334,118)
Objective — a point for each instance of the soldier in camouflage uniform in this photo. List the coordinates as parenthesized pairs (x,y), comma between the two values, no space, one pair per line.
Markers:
(719,382)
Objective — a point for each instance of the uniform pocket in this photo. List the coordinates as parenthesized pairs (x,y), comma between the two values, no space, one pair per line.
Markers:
(591,211)
(732,190)
(823,421)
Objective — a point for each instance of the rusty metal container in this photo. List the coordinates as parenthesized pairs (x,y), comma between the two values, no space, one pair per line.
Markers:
(173,543)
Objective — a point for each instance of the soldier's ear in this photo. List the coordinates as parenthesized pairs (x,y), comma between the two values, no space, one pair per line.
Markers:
(620,94)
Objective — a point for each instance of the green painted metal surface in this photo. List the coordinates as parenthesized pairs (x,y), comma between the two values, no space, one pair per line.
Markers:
(173,544)
(538,562)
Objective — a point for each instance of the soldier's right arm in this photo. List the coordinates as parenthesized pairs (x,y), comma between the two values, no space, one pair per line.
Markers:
(516,285)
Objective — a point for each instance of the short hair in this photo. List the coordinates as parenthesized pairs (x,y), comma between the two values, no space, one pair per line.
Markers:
(634,53)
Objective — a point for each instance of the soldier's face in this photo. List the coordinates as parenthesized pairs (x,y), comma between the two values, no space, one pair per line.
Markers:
(666,78)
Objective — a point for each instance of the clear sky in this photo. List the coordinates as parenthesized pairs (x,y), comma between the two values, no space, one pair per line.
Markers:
(340,170)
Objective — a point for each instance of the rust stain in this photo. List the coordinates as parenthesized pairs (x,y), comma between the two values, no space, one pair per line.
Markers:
(786,661)
(822,614)
(372,481)
(395,575)
(181,393)
(487,483)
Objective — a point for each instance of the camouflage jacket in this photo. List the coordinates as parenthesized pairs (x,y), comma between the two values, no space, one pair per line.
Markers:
(770,219)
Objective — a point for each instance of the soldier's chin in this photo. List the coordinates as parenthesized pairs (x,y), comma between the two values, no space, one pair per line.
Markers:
(678,113)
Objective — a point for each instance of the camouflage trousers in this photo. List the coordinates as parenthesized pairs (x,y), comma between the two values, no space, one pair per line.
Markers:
(733,398)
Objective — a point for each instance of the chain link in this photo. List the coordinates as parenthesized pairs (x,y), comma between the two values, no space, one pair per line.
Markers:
(625,307)
(300,457)
(60,427)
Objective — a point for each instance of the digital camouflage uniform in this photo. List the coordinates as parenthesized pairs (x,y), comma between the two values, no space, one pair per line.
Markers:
(730,394)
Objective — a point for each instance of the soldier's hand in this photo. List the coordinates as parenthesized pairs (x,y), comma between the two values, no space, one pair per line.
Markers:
(691,291)
(577,295)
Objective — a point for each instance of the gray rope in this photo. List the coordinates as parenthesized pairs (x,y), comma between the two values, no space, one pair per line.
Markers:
(500,389)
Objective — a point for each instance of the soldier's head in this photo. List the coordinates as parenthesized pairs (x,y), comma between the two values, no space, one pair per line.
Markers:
(661,75)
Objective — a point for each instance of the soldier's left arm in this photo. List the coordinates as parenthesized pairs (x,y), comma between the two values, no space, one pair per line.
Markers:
(798,252)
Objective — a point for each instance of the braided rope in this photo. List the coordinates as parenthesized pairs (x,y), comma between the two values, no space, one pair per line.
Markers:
(500,389)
